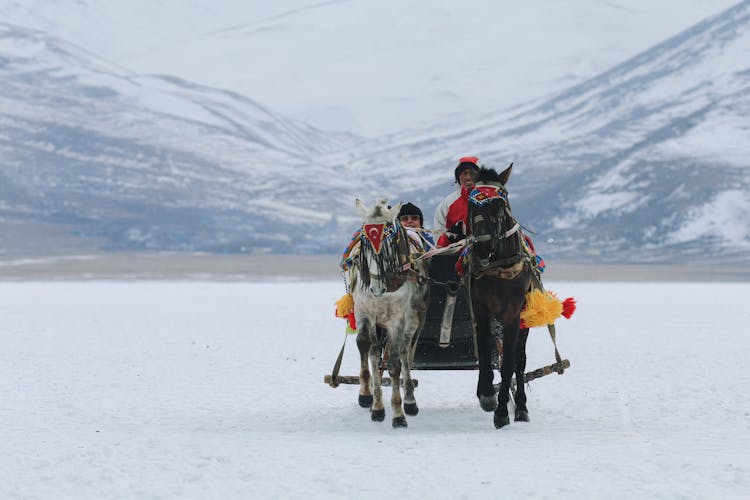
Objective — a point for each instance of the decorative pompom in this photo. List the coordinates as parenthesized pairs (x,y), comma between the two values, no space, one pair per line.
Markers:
(569,307)
(345,309)
(344,306)
(542,308)
(351,323)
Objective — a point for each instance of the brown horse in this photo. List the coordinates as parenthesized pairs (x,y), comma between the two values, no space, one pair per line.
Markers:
(500,277)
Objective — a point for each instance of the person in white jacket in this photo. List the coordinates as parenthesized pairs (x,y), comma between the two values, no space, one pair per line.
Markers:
(452,212)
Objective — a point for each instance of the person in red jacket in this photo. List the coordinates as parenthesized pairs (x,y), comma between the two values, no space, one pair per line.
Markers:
(452,212)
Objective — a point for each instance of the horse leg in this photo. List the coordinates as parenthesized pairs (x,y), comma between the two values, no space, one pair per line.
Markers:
(485,387)
(365,394)
(377,413)
(398,347)
(522,412)
(420,309)
(410,402)
(404,357)
(510,339)
(394,369)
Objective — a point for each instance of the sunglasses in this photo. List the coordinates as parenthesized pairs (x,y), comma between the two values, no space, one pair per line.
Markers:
(405,218)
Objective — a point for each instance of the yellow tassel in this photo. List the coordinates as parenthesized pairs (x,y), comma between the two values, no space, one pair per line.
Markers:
(542,308)
(344,306)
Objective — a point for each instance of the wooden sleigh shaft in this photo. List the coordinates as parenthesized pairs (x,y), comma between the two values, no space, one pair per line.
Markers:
(386,381)
(546,370)
(354,380)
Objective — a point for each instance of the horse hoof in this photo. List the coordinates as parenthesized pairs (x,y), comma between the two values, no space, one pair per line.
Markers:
(411,409)
(377,415)
(365,401)
(522,416)
(488,403)
(399,422)
(501,421)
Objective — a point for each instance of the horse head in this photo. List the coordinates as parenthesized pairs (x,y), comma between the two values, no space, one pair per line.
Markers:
(379,239)
(496,238)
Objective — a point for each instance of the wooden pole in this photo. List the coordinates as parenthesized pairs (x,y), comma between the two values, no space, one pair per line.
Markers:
(528,376)
(354,380)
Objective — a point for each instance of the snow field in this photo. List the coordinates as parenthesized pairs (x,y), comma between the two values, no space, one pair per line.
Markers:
(214,390)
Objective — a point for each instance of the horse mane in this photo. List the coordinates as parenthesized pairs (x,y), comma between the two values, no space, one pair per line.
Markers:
(486,174)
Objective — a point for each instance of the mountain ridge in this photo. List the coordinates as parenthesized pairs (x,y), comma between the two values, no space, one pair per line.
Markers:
(615,169)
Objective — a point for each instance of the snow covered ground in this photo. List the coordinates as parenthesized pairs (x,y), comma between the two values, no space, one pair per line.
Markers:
(117,389)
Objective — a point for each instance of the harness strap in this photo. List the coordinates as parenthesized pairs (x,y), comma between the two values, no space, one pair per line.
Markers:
(441,250)
(337,365)
(537,283)
(467,287)
(510,231)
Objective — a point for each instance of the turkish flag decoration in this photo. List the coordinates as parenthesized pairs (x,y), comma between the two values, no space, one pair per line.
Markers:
(374,234)
(489,192)
(483,194)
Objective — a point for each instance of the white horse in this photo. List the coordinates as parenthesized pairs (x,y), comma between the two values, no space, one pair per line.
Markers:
(391,294)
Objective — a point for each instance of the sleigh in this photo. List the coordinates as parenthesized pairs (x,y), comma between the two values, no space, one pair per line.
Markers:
(448,338)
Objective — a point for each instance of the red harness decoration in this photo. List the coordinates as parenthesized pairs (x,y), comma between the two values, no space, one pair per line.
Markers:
(374,234)
(485,193)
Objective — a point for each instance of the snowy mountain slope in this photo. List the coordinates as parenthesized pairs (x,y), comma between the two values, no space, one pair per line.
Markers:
(644,162)
(149,161)
(648,155)
(28,54)
(371,68)
(652,181)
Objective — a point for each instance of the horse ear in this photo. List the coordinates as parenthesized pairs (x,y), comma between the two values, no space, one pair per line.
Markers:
(505,174)
(361,208)
(392,213)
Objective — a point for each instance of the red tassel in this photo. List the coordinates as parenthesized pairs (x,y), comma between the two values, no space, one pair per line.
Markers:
(352,321)
(569,307)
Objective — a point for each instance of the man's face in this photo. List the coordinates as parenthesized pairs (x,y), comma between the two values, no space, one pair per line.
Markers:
(410,221)
(466,179)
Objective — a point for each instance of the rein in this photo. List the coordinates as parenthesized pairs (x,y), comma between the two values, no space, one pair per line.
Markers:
(506,234)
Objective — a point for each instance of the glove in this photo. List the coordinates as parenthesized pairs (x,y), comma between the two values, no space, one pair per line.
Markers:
(456,232)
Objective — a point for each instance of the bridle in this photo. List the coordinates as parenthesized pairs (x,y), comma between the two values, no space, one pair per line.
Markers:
(496,239)
(385,256)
